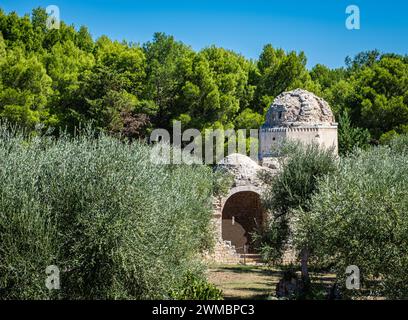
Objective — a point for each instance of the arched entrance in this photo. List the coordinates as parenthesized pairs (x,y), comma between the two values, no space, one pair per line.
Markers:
(242,214)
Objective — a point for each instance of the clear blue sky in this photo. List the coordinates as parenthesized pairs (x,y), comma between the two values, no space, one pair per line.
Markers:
(245,26)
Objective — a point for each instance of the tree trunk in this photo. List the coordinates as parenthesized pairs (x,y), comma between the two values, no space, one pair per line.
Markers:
(304,260)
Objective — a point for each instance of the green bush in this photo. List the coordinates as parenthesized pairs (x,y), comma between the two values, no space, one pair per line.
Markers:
(387,137)
(117,225)
(399,144)
(289,190)
(360,217)
(196,288)
(351,137)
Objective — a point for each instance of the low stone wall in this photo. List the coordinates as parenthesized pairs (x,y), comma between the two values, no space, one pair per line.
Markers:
(224,253)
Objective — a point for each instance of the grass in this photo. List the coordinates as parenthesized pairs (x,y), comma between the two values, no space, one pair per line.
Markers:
(244,282)
(255,282)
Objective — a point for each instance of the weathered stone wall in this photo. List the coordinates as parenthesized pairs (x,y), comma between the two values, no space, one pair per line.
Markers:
(224,253)
(328,137)
(272,138)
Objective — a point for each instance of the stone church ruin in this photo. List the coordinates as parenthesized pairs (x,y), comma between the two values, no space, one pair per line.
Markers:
(296,115)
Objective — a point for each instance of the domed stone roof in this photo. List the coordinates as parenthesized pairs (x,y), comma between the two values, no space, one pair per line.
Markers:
(243,168)
(296,108)
(240,161)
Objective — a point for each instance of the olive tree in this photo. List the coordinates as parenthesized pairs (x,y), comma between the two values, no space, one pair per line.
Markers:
(116,224)
(359,216)
(289,192)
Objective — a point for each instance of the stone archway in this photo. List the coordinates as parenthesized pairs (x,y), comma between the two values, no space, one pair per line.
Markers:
(242,214)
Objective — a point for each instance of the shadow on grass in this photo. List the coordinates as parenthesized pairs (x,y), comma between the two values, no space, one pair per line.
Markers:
(248,269)
(259,282)
(254,297)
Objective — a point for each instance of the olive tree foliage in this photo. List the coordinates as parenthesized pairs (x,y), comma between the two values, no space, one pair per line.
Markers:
(359,216)
(290,190)
(116,224)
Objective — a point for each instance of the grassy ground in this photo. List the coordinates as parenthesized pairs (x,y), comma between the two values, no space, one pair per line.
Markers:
(253,282)
(244,282)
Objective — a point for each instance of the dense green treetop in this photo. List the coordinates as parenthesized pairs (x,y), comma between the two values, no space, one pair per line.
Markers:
(63,78)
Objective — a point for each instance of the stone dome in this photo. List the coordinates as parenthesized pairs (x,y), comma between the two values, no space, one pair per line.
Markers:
(238,160)
(243,168)
(298,107)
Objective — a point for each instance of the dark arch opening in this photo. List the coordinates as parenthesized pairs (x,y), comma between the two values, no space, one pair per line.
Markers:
(242,215)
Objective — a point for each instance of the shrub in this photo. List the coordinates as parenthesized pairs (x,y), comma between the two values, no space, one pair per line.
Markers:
(360,217)
(196,288)
(387,137)
(399,144)
(290,190)
(116,225)
(351,137)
